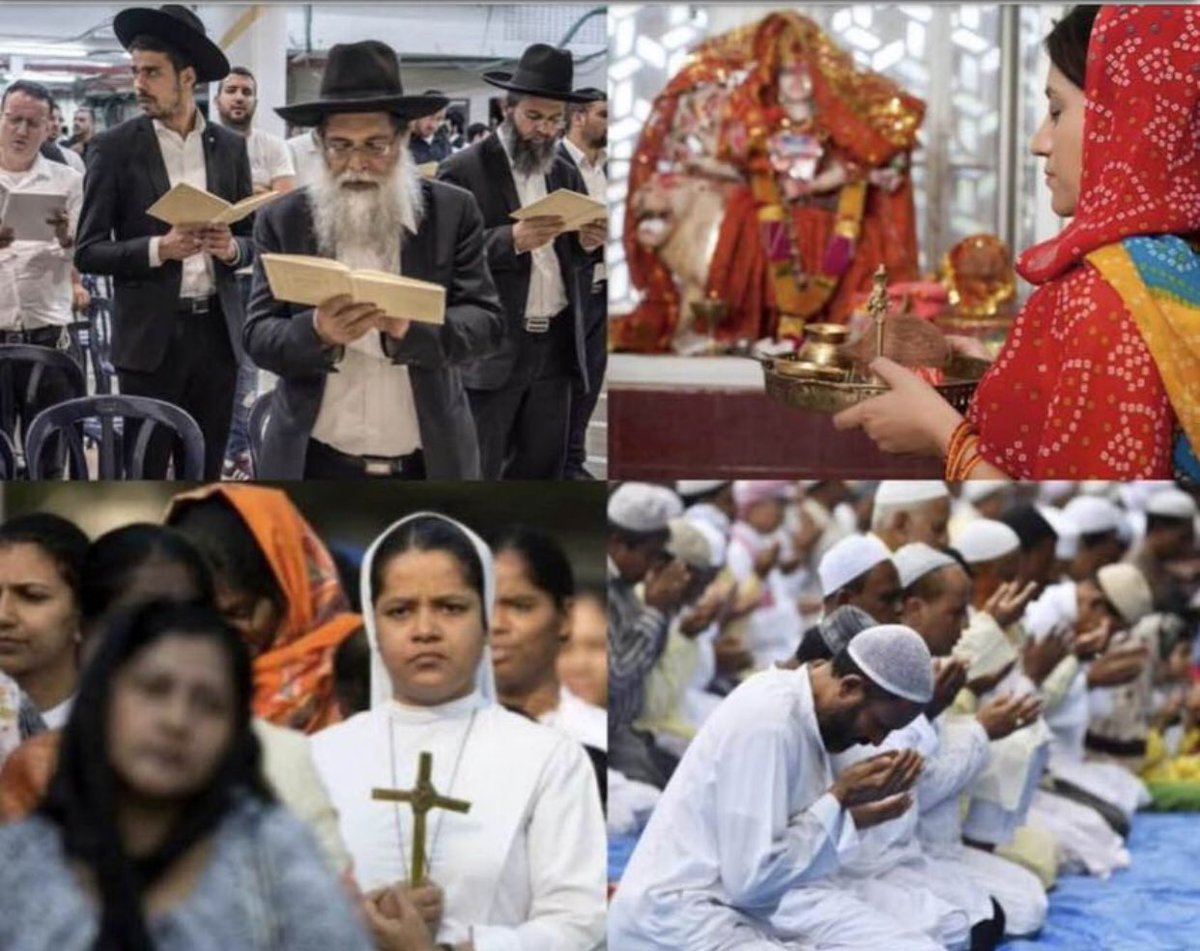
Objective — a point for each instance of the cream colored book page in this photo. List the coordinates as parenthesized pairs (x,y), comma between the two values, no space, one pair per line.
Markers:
(187,205)
(574,208)
(305,279)
(400,297)
(247,206)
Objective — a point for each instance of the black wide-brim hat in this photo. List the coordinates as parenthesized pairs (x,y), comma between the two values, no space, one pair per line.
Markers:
(179,27)
(542,71)
(361,77)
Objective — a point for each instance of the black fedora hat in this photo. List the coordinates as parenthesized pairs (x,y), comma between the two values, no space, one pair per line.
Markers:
(542,71)
(179,27)
(362,77)
(592,94)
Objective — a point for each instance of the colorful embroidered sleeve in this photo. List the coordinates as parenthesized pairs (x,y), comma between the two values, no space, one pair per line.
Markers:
(1107,413)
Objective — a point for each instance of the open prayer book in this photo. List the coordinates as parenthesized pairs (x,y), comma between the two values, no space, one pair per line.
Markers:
(575,209)
(305,279)
(428,169)
(187,205)
(26,213)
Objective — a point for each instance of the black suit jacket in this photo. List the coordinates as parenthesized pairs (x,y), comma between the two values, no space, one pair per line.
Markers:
(448,250)
(125,176)
(484,171)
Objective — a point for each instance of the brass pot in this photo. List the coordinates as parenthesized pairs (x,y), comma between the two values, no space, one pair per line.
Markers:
(822,346)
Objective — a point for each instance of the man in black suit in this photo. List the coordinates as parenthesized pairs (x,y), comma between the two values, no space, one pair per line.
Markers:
(177,317)
(583,145)
(357,395)
(521,395)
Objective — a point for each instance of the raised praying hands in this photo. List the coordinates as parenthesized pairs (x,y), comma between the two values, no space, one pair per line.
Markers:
(1040,657)
(1092,642)
(1007,603)
(1001,716)
(1120,666)
(665,585)
(877,778)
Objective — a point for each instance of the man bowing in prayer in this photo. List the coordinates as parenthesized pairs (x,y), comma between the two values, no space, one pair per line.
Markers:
(177,316)
(521,395)
(357,396)
(752,820)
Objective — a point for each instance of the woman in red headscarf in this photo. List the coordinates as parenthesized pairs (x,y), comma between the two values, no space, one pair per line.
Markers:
(1100,377)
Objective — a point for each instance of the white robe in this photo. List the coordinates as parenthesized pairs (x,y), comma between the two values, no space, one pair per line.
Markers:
(893,870)
(744,825)
(775,626)
(524,869)
(576,717)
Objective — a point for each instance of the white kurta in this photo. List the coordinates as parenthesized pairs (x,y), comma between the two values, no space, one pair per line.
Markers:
(745,823)
(524,870)
(775,626)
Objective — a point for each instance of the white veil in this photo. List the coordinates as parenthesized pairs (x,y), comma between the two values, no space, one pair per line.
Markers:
(381,681)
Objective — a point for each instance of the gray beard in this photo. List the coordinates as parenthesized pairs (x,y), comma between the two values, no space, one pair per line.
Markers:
(364,228)
(527,158)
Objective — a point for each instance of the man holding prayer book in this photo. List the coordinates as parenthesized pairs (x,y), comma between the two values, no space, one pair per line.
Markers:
(369,363)
(39,209)
(521,394)
(177,317)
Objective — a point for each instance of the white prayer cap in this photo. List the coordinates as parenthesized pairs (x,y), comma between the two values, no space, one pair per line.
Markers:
(690,487)
(1171,503)
(910,491)
(689,544)
(895,658)
(850,558)
(839,627)
(986,540)
(715,538)
(1093,514)
(916,559)
(1065,528)
(642,507)
(748,492)
(1127,591)
(1052,490)
(1101,487)
(979,489)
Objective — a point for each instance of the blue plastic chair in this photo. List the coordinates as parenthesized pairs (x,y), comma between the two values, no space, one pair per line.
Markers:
(256,425)
(8,457)
(42,361)
(117,460)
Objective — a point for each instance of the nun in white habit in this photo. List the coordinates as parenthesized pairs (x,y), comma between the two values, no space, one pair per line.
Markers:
(524,869)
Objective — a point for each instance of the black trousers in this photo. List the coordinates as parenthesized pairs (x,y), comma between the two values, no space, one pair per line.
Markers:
(197,374)
(522,426)
(583,401)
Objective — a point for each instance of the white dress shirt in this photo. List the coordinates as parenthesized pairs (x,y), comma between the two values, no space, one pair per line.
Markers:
(547,292)
(184,160)
(368,407)
(597,185)
(270,158)
(35,276)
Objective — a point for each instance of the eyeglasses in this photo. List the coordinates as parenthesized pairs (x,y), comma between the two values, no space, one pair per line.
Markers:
(339,150)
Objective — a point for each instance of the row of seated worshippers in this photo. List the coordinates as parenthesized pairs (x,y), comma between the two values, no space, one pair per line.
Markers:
(497,377)
(194,724)
(890,715)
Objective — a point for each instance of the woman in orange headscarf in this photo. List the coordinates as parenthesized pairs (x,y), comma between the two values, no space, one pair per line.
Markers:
(1100,377)
(278,585)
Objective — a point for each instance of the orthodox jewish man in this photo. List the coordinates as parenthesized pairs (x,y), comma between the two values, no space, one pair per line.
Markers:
(521,394)
(358,395)
(177,317)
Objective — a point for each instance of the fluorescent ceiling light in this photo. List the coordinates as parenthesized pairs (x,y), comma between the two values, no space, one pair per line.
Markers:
(43,48)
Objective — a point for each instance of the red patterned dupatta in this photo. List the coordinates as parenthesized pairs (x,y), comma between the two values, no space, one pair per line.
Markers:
(1076,391)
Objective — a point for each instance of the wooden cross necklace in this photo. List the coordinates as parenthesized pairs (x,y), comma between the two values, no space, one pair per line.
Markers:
(422,798)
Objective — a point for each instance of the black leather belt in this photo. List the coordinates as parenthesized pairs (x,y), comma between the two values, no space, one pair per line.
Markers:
(378,467)
(197,305)
(41,336)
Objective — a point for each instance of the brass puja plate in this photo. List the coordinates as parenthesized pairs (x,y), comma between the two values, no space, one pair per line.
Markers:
(797,384)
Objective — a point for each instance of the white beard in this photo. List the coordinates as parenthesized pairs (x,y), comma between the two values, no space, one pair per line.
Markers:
(362,229)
